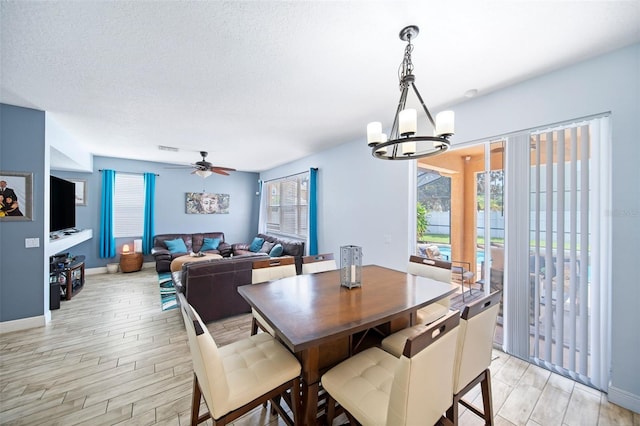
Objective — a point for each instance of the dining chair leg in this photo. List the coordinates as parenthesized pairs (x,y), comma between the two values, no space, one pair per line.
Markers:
(485,386)
(195,401)
(331,409)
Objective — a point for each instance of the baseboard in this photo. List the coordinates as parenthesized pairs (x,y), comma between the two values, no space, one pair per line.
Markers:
(22,324)
(103,269)
(624,399)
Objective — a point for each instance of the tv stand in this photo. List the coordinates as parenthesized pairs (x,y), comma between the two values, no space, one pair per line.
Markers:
(73,272)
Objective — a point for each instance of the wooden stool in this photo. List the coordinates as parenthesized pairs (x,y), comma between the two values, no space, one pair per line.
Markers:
(130,262)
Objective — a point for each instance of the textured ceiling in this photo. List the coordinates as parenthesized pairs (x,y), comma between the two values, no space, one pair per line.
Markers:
(259,84)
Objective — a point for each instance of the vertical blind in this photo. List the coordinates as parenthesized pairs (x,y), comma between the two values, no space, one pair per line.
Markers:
(565,262)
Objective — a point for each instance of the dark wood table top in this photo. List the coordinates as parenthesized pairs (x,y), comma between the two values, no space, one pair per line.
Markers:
(308,310)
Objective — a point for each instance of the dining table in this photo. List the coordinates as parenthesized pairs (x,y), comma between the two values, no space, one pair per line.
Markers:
(316,317)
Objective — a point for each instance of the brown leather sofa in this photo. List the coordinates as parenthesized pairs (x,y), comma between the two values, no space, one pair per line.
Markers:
(163,256)
(290,248)
(211,286)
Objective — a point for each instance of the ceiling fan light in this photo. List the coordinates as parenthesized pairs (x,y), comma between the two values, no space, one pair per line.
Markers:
(204,173)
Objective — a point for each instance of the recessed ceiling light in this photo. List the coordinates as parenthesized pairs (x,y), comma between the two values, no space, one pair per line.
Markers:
(471,93)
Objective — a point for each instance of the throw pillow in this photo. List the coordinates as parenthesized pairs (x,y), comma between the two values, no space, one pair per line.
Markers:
(266,247)
(210,244)
(176,246)
(276,251)
(256,244)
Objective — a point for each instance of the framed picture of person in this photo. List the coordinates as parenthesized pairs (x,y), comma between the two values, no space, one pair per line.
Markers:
(81,191)
(204,203)
(16,196)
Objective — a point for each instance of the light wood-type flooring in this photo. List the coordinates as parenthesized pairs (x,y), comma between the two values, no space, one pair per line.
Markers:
(110,356)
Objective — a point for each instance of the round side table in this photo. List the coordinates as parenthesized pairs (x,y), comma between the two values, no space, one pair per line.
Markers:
(130,262)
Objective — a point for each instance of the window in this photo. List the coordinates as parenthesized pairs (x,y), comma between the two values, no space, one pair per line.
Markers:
(286,206)
(128,205)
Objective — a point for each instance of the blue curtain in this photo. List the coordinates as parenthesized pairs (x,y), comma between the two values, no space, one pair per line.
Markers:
(107,240)
(149,212)
(313,211)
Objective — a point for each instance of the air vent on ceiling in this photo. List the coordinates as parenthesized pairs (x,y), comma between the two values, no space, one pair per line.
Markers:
(167,148)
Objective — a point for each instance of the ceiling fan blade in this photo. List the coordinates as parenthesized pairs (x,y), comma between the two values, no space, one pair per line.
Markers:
(227,169)
(220,172)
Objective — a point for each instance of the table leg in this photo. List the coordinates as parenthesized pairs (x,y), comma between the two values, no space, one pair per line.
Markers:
(309,360)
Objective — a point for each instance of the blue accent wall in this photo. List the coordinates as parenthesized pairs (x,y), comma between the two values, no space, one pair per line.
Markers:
(22,270)
(239,225)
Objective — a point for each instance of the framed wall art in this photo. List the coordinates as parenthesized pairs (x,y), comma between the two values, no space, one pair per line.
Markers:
(204,203)
(81,191)
(16,196)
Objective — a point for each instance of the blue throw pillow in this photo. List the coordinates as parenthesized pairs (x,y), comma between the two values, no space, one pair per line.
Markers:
(176,246)
(256,245)
(276,251)
(210,244)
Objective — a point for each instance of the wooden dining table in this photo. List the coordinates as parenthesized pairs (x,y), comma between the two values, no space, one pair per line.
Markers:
(316,318)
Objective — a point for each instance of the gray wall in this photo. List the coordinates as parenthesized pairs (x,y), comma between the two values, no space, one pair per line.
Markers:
(240,225)
(22,270)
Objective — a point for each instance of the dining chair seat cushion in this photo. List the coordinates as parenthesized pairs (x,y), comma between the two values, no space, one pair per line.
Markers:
(254,366)
(432,312)
(362,384)
(394,343)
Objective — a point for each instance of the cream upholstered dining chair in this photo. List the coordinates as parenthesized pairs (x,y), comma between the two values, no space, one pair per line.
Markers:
(473,353)
(376,388)
(318,263)
(265,270)
(240,376)
(438,270)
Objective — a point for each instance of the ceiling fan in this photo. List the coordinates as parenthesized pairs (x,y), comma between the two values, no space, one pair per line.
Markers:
(204,168)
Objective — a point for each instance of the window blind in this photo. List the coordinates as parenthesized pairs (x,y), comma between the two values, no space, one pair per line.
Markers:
(128,205)
(286,206)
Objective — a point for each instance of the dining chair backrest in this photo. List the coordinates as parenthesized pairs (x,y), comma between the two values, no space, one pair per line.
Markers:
(439,270)
(422,387)
(273,269)
(207,363)
(475,339)
(318,263)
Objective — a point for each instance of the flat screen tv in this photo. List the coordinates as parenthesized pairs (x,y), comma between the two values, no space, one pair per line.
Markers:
(62,204)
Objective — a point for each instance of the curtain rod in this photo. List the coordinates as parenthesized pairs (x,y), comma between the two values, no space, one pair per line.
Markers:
(128,173)
(291,175)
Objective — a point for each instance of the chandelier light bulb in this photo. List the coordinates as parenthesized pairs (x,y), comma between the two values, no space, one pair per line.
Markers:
(445,123)
(408,121)
(374,133)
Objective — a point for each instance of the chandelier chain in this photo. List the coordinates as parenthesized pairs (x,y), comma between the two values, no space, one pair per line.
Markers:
(406,67)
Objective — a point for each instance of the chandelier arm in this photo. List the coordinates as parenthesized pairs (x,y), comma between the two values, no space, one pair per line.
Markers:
(394,133)
(415,89)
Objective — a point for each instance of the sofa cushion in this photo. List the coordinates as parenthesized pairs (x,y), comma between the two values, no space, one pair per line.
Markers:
(176,246)
(210,244)
(266,247)
(276,251)
(256,245)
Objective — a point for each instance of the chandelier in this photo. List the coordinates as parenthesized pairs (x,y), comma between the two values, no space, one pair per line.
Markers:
(403,142)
